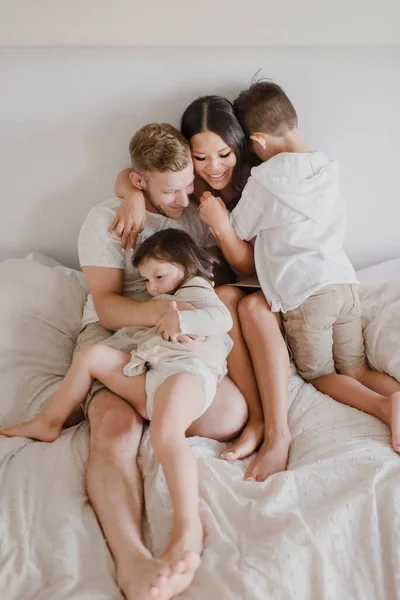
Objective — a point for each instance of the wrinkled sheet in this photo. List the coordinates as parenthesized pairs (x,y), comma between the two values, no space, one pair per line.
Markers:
(328,528)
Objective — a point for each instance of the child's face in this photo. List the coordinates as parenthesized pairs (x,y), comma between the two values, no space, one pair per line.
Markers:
(161,277)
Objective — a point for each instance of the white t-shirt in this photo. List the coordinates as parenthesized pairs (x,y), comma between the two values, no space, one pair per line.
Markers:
(98,249)
(292,203)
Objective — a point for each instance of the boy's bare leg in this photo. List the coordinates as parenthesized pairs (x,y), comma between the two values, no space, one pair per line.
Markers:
(262,331)
(348,390)
(172,414)
(241,372)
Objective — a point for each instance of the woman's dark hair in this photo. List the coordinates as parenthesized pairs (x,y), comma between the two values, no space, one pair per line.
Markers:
(216,114)
(176,246)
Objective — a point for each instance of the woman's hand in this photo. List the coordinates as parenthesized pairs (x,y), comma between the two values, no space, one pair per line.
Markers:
(130,218)
(213,212)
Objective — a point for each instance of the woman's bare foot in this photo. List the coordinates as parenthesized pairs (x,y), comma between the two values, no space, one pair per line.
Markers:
(183,556)
(395,420)
(271,458)
(39,428)
(248,442)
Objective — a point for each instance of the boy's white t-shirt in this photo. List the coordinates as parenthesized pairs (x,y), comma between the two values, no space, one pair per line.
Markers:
(293,205)
(98,249)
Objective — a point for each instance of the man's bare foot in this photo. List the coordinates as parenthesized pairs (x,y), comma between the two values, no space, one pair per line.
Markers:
(183,556)
(395,420)
(248,442)
(39,428)
(271,458)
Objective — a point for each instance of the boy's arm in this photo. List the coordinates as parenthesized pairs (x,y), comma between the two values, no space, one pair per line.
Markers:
(113,309)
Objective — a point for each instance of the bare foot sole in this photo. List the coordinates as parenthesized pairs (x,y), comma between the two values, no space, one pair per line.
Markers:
(37,429)
(248,442)
(271,458)
(395,421)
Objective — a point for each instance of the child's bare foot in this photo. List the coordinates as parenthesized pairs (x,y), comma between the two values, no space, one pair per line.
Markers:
(271,458)
(183,556)
(395,420)
(248,442)
(143,572)
(39,428)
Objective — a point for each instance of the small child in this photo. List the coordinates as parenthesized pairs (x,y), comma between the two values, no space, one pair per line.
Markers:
(293,207)
(185,357)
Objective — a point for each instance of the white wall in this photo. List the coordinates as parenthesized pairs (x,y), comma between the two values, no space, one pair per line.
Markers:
(76,23)
(66,117)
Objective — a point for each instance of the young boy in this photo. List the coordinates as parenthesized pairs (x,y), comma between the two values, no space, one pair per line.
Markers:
(293,206)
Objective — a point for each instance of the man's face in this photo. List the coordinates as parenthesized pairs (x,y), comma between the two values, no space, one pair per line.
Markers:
(168,193)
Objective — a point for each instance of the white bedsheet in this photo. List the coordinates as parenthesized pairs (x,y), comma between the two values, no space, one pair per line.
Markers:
(328,528)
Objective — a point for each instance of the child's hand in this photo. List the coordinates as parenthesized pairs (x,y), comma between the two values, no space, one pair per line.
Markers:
(130,219)
(169,325)
(187,339)
(213,212)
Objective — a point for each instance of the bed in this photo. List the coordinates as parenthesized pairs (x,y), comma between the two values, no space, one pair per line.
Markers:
(328,528)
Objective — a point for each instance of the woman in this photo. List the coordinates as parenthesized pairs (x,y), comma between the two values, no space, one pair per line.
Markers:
(258,363)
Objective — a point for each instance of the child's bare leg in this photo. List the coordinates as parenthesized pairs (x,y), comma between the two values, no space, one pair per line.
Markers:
(94,361)
(350,391)
(177,402)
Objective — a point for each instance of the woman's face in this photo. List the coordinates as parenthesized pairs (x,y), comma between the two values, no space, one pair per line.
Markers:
(213,160)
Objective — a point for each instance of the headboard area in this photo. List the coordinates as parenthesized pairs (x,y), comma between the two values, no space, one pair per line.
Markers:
(67,116)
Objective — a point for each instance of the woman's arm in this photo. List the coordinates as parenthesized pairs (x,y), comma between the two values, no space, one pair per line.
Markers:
(238,253)
(130,217)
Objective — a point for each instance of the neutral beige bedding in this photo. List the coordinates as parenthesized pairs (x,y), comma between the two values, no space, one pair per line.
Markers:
(328,528)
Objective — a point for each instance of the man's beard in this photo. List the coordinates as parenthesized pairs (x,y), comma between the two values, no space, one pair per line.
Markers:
(152,201)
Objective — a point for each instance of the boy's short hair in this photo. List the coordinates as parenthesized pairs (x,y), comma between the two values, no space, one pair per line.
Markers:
(159,147)
(265,108)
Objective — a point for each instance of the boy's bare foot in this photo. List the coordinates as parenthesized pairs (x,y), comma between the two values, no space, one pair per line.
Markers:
(248,442)
(395,420)
(271,458)
(183,556)
(37,429)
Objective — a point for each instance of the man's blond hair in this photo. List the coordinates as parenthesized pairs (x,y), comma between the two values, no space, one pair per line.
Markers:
(159,147)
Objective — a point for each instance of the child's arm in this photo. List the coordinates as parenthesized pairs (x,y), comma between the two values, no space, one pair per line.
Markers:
(238,253)
(131,213)
(210,317)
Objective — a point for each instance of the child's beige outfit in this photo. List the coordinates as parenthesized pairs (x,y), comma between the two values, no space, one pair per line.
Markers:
(206,360)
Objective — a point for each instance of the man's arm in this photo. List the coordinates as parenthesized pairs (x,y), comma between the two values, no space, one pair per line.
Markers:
(113,309)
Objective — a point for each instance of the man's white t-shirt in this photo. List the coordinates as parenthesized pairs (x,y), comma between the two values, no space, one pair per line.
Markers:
(98,249)
(292,204)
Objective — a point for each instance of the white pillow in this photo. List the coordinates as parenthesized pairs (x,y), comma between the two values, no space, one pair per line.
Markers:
(40,318)
(43,259)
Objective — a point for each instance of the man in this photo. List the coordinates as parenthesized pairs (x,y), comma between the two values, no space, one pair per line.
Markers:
(163,170)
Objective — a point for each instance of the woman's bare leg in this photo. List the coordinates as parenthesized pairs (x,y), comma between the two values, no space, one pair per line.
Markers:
(262,332)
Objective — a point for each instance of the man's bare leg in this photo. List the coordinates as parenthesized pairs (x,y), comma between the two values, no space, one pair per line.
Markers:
(115,489)
(262,331)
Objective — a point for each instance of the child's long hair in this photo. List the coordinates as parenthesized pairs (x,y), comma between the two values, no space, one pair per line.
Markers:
(176,246)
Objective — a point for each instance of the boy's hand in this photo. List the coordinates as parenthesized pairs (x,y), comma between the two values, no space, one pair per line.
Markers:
(213,212)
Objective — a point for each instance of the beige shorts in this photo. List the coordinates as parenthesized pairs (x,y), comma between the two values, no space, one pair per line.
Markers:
(93,333)
(325,333)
